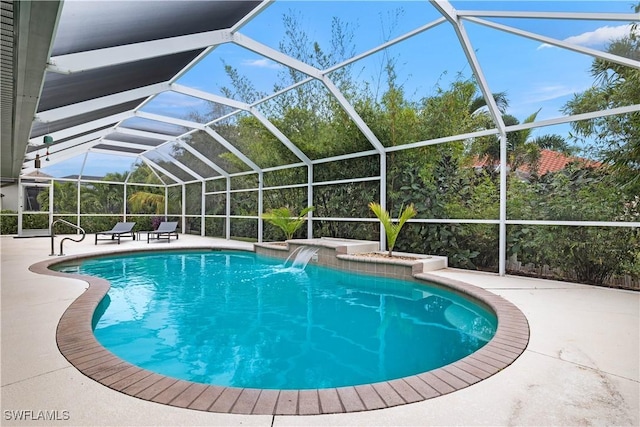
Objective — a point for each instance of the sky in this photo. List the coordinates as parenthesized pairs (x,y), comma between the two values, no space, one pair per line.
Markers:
(534,75)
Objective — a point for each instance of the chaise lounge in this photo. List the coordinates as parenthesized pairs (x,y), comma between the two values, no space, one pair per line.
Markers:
(165,231)
(121,229)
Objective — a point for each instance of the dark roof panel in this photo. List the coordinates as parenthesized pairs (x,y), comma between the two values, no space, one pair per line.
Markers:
(134,139)
(118,149)
(40,129)
(100,24)
(66,89)
(146,125)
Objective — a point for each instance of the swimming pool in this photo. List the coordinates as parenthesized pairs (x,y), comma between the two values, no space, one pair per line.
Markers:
(243,320)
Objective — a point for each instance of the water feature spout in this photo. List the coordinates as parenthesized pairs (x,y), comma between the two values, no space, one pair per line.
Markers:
(303,255)
(293,252)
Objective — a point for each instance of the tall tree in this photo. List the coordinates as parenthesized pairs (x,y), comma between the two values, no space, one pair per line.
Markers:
(617,138)
(521,147)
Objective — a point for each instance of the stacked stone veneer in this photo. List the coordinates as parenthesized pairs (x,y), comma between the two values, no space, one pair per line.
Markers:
(356,256)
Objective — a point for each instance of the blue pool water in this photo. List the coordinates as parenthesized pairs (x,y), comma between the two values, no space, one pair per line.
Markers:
(239,319)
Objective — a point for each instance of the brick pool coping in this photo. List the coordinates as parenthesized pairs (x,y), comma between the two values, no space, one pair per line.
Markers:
(77,343)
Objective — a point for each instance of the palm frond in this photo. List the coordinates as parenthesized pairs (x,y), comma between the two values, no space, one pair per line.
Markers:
(392,230)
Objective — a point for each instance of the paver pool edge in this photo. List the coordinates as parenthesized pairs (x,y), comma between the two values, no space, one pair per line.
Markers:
(79,346)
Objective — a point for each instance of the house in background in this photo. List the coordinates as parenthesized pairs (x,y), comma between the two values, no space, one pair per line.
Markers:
(548,161)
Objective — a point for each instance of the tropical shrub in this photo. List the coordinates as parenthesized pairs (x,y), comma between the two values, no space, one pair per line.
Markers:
(8,222)
(392,229)
(286,220)
(586,254)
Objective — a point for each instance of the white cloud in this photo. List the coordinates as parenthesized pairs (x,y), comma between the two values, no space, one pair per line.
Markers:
(174,104)
(598,37)
(261,63)
(549,96)
(550,92)
(173,99)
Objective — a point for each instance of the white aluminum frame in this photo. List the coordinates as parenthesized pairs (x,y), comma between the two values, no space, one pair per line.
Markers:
(77,62)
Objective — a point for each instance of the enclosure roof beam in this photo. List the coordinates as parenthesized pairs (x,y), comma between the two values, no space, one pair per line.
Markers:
(123,144)
(281,137)
(386,45)
(449,12)
(111,153)
(144,134)
(352,113)
(345,157)
(281,58)
(551,41)
(243,107)
(72,143)
(179,164)
(185,90)
(62,155)
(203,158)
(99,103)
(252,14)
(153,165)
(627,17)
(354,59)
(76,150)
(275,55)
(461,137)
(242,22)
(172,120)
(226,144)
(575,118)
(451,15)
(99,58)
(82,128)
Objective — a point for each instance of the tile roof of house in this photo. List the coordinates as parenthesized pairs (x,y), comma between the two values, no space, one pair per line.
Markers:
(549,161)
(553,161)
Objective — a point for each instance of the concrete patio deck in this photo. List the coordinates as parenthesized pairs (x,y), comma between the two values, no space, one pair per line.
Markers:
(581,367)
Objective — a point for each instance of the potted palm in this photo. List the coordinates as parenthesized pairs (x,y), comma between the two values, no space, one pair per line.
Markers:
(392,229)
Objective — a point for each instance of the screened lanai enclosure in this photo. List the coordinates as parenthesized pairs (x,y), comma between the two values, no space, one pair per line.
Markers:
(512,127)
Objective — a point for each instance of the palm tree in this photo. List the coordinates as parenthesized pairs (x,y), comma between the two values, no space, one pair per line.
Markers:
(521,148)
(392,229)
(142,200)
(480,101)
(285,220)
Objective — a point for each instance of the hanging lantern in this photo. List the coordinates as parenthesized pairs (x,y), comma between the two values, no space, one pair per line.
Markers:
(48,140)
(36,162)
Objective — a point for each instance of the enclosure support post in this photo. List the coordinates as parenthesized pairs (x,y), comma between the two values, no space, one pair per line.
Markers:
(79,221)
(383,197)
(203,199)
(227,218)
(20,204)
(503,206)
(310,200)
(51,202)
(124,202)
(260,205)
(184,207)
(166,202)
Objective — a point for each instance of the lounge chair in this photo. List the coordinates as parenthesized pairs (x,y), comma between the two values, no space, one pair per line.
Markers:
(121,229)
(165,231)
